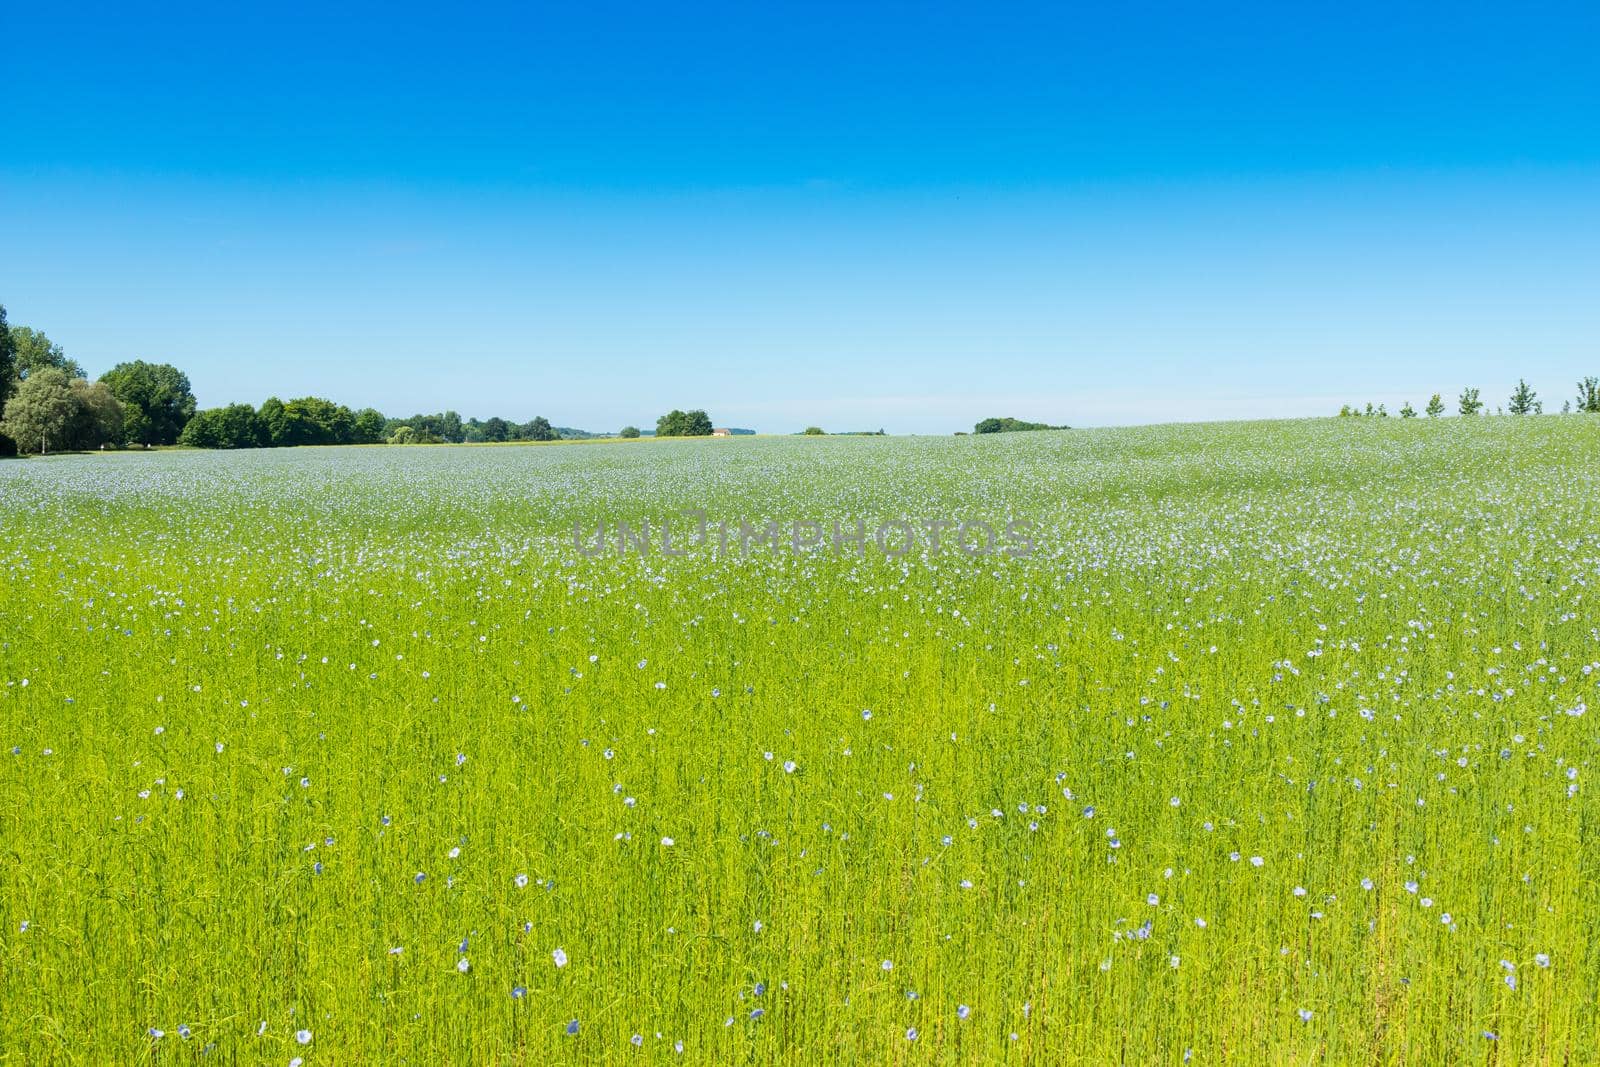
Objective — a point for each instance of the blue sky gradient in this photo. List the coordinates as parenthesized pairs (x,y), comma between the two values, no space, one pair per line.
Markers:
(906,216)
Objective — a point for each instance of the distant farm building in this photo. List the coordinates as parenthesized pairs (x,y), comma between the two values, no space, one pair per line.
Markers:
(721,431)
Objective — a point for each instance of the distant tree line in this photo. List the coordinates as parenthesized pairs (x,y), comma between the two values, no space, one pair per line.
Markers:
(1008,425)
(48,404)
(312,420)
(1523,401)
(307,420)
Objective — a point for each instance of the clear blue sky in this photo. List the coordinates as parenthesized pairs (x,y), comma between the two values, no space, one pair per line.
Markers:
(859,215)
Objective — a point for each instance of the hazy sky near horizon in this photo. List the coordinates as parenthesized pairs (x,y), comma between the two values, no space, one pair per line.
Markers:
(855,215)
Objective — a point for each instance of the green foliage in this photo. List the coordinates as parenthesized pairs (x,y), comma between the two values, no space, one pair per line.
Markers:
(676,423)
(156,401)
(1524,401)
(234,426)
(1435,406)
(443,427)
(538,429)
(306,420)
(1009,425)
(8,359)
(313,420)
(812,431)
(33,351)
(1589,396)
(97,419)
(1468,403)
(8,373)
(56,411)
(629,432)
(1407,411)
(40,412)
(369,426)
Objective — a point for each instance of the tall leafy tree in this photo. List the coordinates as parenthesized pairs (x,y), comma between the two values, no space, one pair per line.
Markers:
(8,374)
(97,416)
(370,425)
(676,423)
(8,362)
(272,421)
(39,413)
(1468,403)
(156,401)
(1435,407)
(34,352)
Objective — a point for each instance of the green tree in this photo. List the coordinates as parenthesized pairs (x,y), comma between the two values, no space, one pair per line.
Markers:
(1435,407)
(539,429)
(156,400)
(97,416)
(671,424)
(431,429)
(8,359)
(403,435)
(1010,425)
(697,424)
(203,430)
(294,425)
(235,426)
(1524,401)
(40,412)
(629,432)
(1589,396)
(812,431)
(34,352)
(369,426)
(1408,412)
(1468,403)
(496,429)
(313,420)
(273,423)
(8,374)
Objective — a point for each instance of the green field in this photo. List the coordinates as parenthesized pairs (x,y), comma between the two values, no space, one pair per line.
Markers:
(1273,750)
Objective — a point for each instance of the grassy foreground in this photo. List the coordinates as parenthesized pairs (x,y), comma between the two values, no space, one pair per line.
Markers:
(1280,747)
